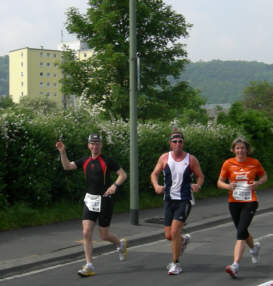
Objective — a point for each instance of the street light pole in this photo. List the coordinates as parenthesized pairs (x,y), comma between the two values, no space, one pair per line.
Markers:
(134,200)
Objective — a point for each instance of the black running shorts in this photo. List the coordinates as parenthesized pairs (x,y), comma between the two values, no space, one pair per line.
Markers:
(104,216)
(176,209)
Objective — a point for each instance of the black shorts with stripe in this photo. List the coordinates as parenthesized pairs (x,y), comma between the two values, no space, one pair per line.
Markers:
(176,209)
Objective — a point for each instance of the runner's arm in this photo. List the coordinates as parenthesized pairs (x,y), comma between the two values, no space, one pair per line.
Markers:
(196,169)
(67,165)
(155,175)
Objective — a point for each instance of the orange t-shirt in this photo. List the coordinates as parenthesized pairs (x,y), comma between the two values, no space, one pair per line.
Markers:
(242,173)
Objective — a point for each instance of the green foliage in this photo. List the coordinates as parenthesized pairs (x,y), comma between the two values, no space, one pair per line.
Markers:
(225,81)
(37,104)
(258,96)
(256,126)
(5,102)
(104,78)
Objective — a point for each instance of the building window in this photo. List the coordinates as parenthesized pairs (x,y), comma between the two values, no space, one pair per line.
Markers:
(48,84)
(55,55)
(55,93)
(41,83)
(22,74)
(41,64)
(41,54)
(48,55)
(22,93)
(48,64)
(48,74)
(22,64)
(22,54)
(41,74)
(55,65)
(54,84)
(48,94)
(54,75)
(22,83)
(41,93)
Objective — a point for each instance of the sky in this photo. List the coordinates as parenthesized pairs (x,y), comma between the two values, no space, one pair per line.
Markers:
(222,29)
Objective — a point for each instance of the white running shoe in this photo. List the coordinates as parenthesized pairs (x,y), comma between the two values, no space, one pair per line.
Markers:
(87,270)
(232,270)
(186,241)
(174,268)
(254,252)
(122,250)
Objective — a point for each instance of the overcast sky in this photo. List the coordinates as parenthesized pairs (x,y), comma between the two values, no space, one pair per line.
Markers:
(222,29)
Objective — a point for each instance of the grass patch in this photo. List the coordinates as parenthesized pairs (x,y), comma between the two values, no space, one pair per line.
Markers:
(22,215)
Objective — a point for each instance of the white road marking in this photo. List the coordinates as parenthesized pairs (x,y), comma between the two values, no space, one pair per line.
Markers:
(133,247)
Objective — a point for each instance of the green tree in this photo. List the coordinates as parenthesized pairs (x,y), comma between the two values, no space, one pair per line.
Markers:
(5,102)
(37,104)
(104,78)
(258,95)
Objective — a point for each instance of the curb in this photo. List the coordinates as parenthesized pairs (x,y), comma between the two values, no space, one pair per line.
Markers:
(17,266)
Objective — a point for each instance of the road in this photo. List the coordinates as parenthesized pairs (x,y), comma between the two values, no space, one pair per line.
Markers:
(203,263)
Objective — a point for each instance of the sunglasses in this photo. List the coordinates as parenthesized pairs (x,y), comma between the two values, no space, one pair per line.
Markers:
(177,141)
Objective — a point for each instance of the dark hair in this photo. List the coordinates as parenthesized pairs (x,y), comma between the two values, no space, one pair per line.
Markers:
(241,140)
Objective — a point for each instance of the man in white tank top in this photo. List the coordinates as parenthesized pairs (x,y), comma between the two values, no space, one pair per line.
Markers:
(177,167)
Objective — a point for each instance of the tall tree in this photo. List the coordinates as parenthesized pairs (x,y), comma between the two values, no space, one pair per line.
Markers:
(258,95)
(104,78)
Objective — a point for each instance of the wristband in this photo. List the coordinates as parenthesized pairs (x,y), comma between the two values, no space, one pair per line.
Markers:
(116,185)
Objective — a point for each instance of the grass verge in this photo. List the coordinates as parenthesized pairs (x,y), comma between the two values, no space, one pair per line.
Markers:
(22,215)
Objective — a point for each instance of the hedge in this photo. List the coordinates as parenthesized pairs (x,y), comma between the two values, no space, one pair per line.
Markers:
(30,167)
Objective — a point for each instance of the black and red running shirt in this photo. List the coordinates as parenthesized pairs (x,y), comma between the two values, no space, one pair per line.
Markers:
(97,172)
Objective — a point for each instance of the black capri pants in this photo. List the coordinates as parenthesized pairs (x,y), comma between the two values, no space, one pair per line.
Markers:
(242,215)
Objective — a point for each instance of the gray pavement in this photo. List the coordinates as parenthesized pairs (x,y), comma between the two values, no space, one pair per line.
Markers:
(30,248)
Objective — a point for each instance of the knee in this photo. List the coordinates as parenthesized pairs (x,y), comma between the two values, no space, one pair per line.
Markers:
(86,233)
(242,234)
(103,236)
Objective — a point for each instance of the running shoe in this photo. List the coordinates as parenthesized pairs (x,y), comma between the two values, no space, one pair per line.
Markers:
(122,250)
(186,241)
(232,270)
(174,268)
(87,270)
(254,252)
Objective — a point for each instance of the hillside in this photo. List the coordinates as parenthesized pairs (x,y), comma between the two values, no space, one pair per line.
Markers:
(225,81)
(218,81)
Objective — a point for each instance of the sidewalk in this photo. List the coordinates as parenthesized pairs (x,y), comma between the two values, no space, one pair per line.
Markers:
(29,248)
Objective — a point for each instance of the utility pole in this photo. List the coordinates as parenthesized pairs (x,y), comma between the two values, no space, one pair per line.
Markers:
(134,193)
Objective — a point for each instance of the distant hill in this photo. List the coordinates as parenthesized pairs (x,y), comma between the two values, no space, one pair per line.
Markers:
(225,81)
(4,75)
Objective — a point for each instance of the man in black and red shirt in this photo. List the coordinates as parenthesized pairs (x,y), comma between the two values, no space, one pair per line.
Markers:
(98,199)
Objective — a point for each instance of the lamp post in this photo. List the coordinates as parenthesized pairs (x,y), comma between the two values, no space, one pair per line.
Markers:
(134,196)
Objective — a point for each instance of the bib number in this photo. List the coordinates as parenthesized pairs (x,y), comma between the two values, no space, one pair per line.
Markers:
(242,192)
(93,202)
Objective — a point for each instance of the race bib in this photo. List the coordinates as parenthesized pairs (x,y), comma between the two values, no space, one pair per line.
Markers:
(93,202)
(242,192)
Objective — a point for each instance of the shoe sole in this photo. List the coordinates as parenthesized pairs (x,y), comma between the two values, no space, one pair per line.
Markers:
(230,272)
(86,275)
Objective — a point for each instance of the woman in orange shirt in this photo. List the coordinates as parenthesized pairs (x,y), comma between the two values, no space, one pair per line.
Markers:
(241,175)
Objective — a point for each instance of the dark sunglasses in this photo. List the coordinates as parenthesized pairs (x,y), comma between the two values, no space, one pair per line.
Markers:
(177,141)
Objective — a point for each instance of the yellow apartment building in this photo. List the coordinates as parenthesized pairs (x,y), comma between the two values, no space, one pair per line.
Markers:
(35,72)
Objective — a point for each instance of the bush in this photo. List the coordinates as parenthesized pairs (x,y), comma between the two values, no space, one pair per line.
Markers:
(33,173)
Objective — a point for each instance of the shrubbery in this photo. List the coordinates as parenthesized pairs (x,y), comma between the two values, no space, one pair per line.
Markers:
(31,170)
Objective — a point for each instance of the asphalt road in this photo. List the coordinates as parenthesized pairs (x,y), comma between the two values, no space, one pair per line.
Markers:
(203,263)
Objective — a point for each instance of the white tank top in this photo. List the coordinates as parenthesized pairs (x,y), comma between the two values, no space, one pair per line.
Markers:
(177,170)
